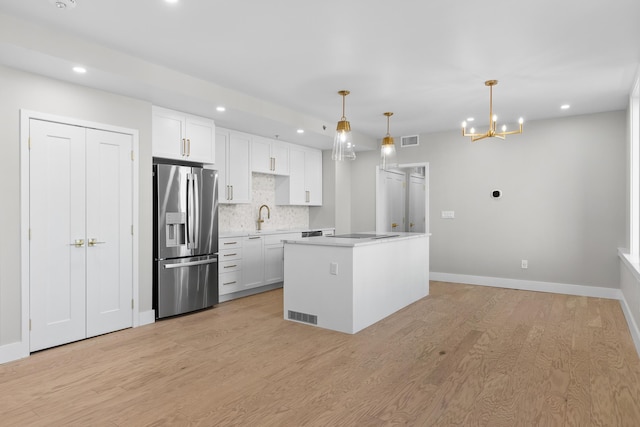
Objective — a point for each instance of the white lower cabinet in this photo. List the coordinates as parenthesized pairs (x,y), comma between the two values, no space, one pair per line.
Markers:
(253,262)
(249,262)
(274,257)
(229,266)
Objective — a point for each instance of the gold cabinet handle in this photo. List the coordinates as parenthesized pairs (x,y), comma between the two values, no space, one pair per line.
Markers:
(188,147)
(94,241)
(78,243)
(184,147)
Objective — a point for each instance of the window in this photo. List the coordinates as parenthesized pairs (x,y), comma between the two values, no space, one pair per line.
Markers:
(634,185)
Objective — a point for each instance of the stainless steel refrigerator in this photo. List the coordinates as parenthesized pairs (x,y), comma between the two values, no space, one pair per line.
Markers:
(185,244)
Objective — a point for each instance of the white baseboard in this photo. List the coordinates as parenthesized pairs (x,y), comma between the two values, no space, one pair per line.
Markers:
(147,317)
(529,285)
(633,326)
(13,351)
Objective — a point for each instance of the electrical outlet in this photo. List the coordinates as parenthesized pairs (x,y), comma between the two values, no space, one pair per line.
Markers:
(525,263)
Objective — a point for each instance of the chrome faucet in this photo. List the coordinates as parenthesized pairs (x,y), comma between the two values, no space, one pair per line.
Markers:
(260,220)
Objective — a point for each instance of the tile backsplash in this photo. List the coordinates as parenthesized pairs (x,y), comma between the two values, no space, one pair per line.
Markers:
(244,217)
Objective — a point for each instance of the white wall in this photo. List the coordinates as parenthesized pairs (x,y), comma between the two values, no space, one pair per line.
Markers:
(562,209)
(27,91)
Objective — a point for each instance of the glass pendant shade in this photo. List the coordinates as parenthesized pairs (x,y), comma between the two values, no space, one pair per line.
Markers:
(388,153)
(343,140)
(343,143)
(388,149)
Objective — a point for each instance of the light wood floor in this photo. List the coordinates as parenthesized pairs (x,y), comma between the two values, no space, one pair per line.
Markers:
(465,355)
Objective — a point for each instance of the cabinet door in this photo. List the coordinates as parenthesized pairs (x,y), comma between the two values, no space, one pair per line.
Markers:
(297,191)
(252,262)
(261,160)
(222,145)
(238,170)
(280,155)
(168,131)
(273,263)
(313,177)
(200,140)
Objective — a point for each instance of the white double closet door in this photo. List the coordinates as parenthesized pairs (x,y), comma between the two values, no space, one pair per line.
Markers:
(81,245)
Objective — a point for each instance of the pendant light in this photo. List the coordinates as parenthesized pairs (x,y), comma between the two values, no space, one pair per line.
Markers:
(388,148)
(492,132)
(343,141)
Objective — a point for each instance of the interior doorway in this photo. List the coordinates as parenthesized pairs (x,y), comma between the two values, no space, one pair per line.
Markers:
(402,198)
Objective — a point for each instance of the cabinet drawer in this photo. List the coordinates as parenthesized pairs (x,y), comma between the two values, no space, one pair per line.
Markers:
(276,239)
(229,282)
(230,243)
(229,254)
(228,266)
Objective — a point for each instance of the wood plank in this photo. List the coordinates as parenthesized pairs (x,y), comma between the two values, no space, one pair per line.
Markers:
(465,355)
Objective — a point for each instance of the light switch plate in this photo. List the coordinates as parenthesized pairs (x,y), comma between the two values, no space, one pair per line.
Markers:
(448,214)
(333,268)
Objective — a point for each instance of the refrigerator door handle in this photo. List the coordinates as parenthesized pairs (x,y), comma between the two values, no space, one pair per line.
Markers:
(195,192)
(191,264)
(189,213)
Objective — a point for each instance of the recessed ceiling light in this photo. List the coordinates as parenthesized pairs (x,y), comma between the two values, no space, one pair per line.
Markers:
(300,131)
(79,70)
(470,119)
(171,1)
(565,106)
(221,108)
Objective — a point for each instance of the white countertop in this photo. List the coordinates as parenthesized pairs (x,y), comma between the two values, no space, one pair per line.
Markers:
(352,242)
(244,233)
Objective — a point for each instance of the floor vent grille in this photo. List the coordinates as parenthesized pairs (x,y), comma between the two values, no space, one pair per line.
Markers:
(303,317)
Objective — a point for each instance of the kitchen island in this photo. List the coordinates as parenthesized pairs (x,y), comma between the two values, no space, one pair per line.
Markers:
(348,282)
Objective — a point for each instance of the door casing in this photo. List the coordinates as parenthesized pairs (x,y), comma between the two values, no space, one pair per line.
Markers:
(21,349)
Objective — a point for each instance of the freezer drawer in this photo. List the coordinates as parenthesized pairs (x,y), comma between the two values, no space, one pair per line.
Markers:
(186,284)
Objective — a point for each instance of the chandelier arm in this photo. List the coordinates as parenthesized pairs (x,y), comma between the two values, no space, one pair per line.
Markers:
(511,132)
(464,133)
(478,138)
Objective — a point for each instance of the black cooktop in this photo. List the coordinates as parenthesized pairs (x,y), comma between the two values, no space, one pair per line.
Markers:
(365,236)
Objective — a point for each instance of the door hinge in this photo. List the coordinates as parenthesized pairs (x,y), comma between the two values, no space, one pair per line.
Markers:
(29,324)
(132,229)
(131,303)
(29,234)
(132,156)
(29,143)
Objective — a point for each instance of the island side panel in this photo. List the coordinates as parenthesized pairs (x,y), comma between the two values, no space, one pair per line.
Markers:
(309,286)
(388,277)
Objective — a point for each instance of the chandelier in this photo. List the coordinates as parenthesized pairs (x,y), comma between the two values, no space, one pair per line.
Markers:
(491,133)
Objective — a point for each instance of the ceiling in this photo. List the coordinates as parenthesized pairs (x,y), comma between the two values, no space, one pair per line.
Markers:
(277,65)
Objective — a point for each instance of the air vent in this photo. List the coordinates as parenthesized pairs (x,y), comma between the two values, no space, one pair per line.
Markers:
(409,141)
(303,317)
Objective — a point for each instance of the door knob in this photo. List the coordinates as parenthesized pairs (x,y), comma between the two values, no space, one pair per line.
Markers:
(394,225)
(94,241)
(78,243)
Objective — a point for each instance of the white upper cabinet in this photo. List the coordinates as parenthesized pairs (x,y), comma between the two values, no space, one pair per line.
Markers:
(269,156)
(234,175)
(303,186)
(181,136)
